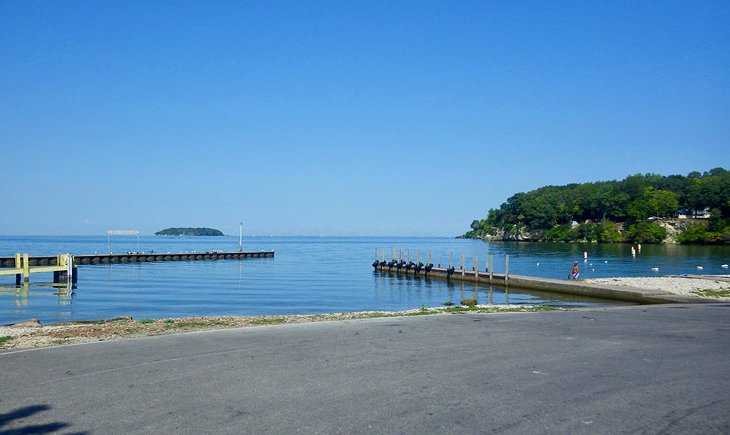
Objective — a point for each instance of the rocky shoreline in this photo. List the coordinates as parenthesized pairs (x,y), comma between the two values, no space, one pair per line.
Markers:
(673,228)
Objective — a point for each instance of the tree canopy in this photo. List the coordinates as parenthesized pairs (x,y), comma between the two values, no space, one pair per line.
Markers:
(634,199)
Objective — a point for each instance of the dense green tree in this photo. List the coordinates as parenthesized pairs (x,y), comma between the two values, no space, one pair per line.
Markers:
(661,203)
(634,199)
(646,232)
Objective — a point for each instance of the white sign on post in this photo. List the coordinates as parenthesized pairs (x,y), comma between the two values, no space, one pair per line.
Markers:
(110,233)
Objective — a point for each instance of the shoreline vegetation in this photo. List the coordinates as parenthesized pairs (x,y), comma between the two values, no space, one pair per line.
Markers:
(642,208)
(31,334)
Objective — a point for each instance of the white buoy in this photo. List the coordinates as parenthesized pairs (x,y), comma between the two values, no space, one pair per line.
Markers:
(700,267)
(585,255)
(724,266)
(655,269)
(538,264)
(605,261)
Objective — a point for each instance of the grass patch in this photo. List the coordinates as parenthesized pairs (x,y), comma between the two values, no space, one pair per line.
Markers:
(146,321)
(494,309)
(709,293)
(5,339)
(422,312)
(116,320)
(267,321)
(372,315)
(543,308)
(535,308)
(455,309)
(193,324)
(64,341)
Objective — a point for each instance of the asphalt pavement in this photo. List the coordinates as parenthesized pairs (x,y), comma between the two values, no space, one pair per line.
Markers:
(639,369)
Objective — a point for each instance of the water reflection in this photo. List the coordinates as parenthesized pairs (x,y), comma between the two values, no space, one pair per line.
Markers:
(21,295)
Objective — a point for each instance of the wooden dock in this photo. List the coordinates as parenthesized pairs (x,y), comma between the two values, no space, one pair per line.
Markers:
(64,266)
(51,260)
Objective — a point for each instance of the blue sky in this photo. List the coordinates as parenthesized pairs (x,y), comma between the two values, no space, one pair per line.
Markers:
(344,117)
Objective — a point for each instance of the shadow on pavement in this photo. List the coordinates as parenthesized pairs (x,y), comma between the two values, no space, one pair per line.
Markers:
(16,418)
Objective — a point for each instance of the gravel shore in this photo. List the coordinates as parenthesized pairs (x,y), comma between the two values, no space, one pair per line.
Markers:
(33,334)
(699,286)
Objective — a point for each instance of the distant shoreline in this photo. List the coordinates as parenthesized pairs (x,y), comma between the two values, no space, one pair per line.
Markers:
(189,232)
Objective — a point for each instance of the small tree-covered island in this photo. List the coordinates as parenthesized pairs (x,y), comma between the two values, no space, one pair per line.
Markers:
(189,232)
(642,208)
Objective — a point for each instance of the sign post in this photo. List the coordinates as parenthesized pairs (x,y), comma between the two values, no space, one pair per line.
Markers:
(110,233)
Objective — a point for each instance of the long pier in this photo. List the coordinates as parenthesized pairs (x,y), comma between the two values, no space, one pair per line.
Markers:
(573,287)
(64,266)
(51,260)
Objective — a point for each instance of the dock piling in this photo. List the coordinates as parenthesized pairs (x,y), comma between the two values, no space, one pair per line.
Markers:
(476,266)
(506,268)
(491,267)
(26,268)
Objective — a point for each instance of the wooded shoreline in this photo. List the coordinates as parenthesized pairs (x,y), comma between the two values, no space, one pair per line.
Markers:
(642,208)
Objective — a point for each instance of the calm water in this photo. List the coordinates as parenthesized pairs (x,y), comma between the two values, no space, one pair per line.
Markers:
(308,275)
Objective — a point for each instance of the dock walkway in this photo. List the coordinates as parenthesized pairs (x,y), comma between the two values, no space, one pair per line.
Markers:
(50,260)
(573,287)
(64,266)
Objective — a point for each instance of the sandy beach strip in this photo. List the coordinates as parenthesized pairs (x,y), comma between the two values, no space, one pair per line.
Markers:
(694,286)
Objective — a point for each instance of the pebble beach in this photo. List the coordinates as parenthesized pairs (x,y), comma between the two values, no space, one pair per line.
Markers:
(699,286)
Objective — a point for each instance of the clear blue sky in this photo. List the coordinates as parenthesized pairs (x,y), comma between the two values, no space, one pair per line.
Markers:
(344,117)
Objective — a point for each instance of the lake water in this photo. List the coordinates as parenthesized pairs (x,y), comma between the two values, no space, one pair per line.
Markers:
(309,275)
